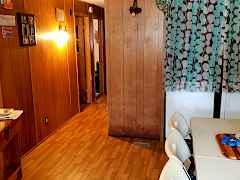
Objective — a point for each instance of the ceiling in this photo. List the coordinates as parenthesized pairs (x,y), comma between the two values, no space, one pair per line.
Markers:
(96,2)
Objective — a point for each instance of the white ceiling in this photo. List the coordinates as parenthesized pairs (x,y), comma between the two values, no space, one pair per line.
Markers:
(96,2)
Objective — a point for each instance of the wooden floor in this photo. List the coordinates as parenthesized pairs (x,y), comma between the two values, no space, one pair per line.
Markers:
(82,150)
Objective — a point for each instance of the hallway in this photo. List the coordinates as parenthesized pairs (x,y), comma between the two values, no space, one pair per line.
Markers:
(82,150)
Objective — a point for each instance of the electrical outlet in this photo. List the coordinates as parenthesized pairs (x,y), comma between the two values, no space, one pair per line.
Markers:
(45,120)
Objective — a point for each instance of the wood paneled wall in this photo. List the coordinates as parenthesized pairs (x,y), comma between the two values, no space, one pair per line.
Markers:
(52,81)
(1,97)
(15,80)
(135,55)
(88,60)
(72,58)
(81,9)
(41,80)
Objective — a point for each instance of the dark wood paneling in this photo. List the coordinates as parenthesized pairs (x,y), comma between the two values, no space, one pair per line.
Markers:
(41,80)
(153,90)
(140,66)
(88,59)
(52,69)
(130,26)
(135,74)
(72,59)
(81,60)
(102,58)
(15,80)
(81,9)
(91,43)
(1,96)
(115,66)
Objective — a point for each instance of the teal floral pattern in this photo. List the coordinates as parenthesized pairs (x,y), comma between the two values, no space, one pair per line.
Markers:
(231,48)
(163,4)
(202,40)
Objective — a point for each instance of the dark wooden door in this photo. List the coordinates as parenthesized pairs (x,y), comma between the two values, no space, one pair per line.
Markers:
(81,59)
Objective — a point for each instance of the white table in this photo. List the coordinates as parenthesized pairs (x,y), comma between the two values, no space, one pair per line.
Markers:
(210,163)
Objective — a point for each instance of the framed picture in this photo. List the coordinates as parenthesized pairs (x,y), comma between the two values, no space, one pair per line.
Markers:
(27,29)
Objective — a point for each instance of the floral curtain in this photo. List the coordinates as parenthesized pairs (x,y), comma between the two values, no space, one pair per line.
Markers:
(163,4)
(202,45)
(231,47)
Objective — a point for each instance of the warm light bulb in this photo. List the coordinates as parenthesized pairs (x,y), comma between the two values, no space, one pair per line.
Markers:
(60,37)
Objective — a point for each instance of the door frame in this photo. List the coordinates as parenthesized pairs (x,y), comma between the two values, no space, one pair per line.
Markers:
(102,56)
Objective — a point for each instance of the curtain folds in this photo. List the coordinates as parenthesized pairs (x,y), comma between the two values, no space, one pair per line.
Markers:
(231,58)
(202,45)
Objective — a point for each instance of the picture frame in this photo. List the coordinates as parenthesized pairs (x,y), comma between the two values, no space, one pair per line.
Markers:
(26,29)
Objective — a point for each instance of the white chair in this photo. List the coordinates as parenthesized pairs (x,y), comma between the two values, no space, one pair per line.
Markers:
(177,121)
(174,170)
(176,146)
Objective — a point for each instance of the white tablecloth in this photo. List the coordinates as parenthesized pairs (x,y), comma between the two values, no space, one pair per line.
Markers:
(210,163)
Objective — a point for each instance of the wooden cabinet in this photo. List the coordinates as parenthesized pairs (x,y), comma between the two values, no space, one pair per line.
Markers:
(10,153)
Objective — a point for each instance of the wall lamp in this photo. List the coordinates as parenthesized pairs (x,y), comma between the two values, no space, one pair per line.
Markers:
(60,36)
(134,9)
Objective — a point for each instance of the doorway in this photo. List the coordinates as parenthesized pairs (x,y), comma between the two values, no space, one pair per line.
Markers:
(90,58)
(96,40)
(83,60)
(99,57)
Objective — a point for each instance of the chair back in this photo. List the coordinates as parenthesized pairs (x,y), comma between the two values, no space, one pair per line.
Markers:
(177,121)
(176,146)
(174,170)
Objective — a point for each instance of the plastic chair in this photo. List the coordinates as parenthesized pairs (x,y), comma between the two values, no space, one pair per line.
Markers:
(175,146)
(174,170)
(177,121)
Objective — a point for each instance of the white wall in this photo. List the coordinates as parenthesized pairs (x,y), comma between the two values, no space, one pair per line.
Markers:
(195,104)
(230,108)
(96,44)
